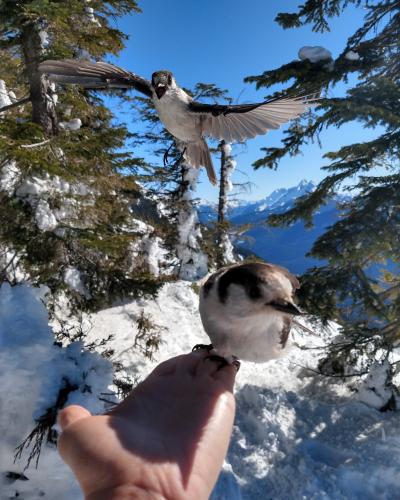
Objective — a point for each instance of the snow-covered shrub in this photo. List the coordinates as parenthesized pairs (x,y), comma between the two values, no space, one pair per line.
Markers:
(38,377)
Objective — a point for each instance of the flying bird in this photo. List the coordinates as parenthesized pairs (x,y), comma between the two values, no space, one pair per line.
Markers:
(187,120)
(247,311)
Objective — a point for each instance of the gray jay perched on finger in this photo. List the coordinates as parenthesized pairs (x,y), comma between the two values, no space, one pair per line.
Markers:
(187,120)
(247,311)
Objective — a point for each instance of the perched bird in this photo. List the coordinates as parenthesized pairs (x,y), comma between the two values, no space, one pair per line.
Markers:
(187,120)
(247,310)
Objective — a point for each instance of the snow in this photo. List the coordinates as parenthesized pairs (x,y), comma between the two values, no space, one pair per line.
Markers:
(314,54)
(9,177)
(4,95)
(296,436)
(90,13)
(374,391)
(229,256)
(157,255)
(10,265)
(73,278)
(230,165)
(44,217)
(32,370)
(262,207)
(44,38)
(36,191)
(352,56)
(149,251)
(227,149)
(71,125)
(193,261)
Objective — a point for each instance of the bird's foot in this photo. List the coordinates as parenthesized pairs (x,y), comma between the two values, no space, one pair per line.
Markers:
(224,360)
(166,154)
(198,347)
(214,356)
(182,155)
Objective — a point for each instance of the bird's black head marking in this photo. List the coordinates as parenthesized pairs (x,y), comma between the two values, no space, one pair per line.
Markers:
(163,76)
(160,81)
(211,280)
(245,276)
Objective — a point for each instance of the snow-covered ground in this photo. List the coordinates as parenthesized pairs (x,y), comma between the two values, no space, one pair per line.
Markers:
(295,436)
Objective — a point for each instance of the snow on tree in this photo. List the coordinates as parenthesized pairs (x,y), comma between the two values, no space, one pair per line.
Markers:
(358,284)
(224,254)
(193,263)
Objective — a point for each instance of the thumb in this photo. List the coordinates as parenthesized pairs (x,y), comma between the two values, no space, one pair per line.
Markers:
(71,414)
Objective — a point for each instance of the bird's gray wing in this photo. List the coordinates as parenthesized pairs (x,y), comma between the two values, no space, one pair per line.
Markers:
(94,75)
(239,122)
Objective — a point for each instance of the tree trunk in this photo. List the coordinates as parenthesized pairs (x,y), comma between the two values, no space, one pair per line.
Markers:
(43,109)
(222,201)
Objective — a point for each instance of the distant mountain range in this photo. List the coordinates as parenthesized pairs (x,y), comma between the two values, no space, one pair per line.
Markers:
(285,246)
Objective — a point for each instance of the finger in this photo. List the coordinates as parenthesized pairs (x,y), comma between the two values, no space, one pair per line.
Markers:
(183,364)
(71,414)
(227,375)
(188,363)
(209,366)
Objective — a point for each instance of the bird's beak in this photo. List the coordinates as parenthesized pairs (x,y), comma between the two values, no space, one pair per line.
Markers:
(160,90)
(287,307)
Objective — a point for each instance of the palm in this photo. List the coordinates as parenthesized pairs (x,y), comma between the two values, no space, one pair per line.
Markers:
(172,429)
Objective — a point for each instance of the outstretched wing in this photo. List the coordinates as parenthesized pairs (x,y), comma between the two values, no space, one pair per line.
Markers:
(98,75)
(239,122)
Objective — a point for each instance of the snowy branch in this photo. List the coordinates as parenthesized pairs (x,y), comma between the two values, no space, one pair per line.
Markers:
(15,104)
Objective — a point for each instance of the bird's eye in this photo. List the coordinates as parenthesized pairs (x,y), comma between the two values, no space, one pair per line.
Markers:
(169,79)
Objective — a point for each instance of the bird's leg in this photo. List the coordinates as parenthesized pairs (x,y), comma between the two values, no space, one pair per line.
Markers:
(166,154)
(197,347)
(214,356)
(181,155)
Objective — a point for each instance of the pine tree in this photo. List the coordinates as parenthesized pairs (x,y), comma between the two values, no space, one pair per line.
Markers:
(358,285)
(66,208)
(69,194)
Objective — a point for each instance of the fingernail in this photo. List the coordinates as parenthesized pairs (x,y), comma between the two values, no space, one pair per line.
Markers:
(236,363)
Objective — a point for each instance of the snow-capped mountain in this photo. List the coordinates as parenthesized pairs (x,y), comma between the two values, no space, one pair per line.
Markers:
(285,246)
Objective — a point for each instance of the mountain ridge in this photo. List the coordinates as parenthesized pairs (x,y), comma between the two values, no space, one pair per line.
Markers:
(285,246)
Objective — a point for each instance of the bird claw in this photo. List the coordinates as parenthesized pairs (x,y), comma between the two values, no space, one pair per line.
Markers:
(178,161)
(198,347)
(224,361)
(166,154)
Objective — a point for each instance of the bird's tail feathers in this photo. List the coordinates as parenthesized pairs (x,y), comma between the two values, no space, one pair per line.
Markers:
(85,73)
(198,155)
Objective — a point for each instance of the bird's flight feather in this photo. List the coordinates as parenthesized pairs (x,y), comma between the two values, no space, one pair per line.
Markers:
(94,75)
(243,121)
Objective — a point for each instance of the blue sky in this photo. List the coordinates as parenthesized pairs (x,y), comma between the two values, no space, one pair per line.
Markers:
(222,42)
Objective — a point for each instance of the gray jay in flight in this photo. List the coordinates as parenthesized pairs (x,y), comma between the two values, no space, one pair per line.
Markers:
(247,310)
(187,120)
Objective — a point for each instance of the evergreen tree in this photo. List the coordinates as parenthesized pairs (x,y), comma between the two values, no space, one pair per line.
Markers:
(359,283)
(66,208)
(70,199)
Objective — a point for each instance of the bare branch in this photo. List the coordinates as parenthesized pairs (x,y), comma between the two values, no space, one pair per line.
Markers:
(36,145)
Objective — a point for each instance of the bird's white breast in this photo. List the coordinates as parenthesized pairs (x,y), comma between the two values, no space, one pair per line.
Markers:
(173,111)
(239,332)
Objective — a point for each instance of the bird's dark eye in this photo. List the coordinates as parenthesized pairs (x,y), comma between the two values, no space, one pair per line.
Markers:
(169,79)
